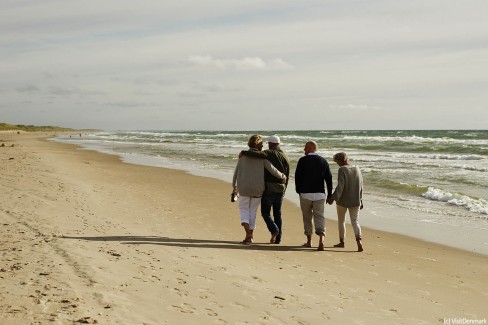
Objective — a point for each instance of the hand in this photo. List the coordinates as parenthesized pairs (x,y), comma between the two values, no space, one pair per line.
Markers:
(330,200)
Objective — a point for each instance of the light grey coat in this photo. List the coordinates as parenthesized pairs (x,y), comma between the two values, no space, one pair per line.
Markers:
(249,176)
(349,190)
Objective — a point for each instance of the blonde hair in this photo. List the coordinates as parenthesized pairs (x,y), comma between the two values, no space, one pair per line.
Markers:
(341,157)
(254,140)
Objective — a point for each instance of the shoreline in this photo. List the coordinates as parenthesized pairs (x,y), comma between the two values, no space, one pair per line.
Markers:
(132,244)
(378,214)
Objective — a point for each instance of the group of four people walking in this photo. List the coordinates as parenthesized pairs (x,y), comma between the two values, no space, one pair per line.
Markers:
(261,177)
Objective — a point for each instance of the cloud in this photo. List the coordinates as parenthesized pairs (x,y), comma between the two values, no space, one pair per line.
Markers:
(68,92)
(248,63)
(307,61)
(355,107)
(27,89)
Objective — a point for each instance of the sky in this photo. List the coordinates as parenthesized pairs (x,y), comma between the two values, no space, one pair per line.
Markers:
(245,65)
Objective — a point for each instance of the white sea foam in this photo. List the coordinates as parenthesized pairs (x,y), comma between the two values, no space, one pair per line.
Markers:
(474,205)
(434,156)
(417,139)
(473,168)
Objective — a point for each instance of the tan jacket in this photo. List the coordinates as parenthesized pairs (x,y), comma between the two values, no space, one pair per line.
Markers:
(249,176)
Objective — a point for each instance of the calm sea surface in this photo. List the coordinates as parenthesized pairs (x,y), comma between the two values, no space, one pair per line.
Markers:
(423,177)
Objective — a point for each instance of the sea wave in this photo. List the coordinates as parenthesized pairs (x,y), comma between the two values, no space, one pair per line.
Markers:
(390,184)
(472,204)
(416,140)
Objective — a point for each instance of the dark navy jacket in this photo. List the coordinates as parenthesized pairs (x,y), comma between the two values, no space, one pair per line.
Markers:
(312,174)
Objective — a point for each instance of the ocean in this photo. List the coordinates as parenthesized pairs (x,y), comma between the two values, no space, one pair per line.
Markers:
(431,185)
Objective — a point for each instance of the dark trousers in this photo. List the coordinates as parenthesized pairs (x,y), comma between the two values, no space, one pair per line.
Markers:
(273,222)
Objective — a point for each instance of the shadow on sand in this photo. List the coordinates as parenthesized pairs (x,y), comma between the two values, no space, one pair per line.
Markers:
(199,243)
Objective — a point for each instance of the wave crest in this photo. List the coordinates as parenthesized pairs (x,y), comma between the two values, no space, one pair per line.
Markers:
(472,204)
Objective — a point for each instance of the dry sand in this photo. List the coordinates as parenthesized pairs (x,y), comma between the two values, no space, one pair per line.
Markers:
(86,238)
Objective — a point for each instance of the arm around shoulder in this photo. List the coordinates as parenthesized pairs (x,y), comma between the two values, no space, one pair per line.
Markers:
(272,169)
(254,154)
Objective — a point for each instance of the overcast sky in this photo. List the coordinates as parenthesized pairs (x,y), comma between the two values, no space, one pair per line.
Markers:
(245,65)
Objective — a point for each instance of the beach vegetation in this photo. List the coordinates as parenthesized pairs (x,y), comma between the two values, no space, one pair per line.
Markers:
(31,128)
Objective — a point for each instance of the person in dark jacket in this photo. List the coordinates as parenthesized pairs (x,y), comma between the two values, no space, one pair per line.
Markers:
(312,175)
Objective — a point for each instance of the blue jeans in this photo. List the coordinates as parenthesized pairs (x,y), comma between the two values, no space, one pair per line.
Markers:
(273,222)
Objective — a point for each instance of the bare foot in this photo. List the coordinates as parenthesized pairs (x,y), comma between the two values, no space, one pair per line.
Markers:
(320,247)
(360,246)
(340,245)
(307,245)
(247,241)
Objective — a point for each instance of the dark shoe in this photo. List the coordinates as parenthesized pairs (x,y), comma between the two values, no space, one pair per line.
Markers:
(273,237)
(340,245)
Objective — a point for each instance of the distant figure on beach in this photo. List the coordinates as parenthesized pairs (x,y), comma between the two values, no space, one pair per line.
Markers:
(311,177)
(274,187)
(248,181)
(348,196)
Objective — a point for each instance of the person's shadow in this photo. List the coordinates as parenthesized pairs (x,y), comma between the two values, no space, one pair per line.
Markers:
(196,243)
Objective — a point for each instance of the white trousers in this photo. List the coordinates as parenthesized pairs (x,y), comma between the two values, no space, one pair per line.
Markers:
(341,219)
(248,207)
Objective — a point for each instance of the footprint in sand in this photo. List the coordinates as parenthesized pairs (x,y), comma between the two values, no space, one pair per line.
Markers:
(184,308)
(239,305)
(180,292)
(204,277)
(210,312)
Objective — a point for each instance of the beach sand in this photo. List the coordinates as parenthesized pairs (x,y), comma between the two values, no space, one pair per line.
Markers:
(86,238)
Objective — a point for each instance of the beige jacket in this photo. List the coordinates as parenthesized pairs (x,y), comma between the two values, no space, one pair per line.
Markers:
(249,176)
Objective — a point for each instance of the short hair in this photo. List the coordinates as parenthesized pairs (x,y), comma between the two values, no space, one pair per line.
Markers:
(312,145)
(341,157)
(254,140)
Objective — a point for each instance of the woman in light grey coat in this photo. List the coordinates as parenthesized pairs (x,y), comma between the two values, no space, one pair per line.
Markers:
(348,196)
